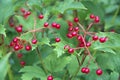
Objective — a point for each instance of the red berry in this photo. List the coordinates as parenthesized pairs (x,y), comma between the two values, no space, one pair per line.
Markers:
(92,16)
(69,35)
(57,39)
(25,15)
(88,44)
(28,47)
(76,29)
(74,33)
(11,44)
(70,24)
(96,20)
(81,44)
(40,16)
(19,55)
(50,78)
(95,37)
(34,41)
(54,24)
(28,12)
(11,24)
(18,29)
(83,70)
(79,38)
(70,50)
(70,29)
(58,26)
(66,47)
(103,39)
(16,47)
(87,70)
(15,40)
(46,24)
(99,72)
(22,10)
(76,19)
(22,63)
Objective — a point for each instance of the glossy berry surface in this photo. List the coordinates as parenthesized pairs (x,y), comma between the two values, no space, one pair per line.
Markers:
(57,39)
(15,40)
(76,28)
(87,70)
(46,24)
(58,26)
(16,47)
(96,20)
(19,55)
(18,29)
(66,47)
(34,41)
(83,70)
(40,16)
(54,24)
(88,44)
(69,35)
(95,38)
(99,72)
(50,78)
(76,19)
(102,39)
(70,50)
(22,63)
(28,47)
(92,16)
(74,33)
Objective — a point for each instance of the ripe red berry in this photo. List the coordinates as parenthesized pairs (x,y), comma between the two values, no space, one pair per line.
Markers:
(57,39)
(15,40)
(79,38)
(76,19)
(11,44)
(22,63)
(70,29)
(66,47)
(99,72)
(19,55)
(70,50)
(16,47)
(88,44)
(18,29)
(46,24)
(40,16)
(96,20)
(28,47)
(34,41)
(74,33)
(22,10)
(50,77)
(76,29)
(103,39)
(69,35)
(92,16)
(11,24)
(70,24)
(87,70)
(95,38)
(28,12)
(83,70)
(54,24)
(81,44)
(58,26)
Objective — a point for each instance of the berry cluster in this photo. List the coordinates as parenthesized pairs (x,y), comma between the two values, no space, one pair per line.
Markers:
(25,13)
(76,30)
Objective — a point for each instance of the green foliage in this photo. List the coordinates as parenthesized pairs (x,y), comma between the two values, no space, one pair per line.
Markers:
(2,30)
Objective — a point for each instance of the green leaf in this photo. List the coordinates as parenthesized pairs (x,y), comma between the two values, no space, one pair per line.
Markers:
(55,64)
(114,76)
(69,4)
(31,72)
(2,30)
(44,40)
(26,36)
(4,66)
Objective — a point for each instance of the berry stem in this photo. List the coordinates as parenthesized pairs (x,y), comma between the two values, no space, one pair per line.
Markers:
(81,27)
(41,61)
(89,26)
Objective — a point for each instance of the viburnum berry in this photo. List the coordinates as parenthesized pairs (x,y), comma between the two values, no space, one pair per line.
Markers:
(95,38)
(16,47)
(70,50)
(70,24)
(99,72)
(40,16)
(88,44)
(76,28)
(54,24)
(15,40)
(11,24)
(92,16)
(11,44)
(46,24)
(22,10)
(79,37)
(66,47)
(34,41)
(57,39)
(74,33)
(19,55)
(50,77)
(83,70)
(87,70)
(81,44)
(96,20)
(28,47)
(22,63)
(76,19)
(18,29)
(58,26)
(28,12)
(69,35)
(102,39)
(70,29)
